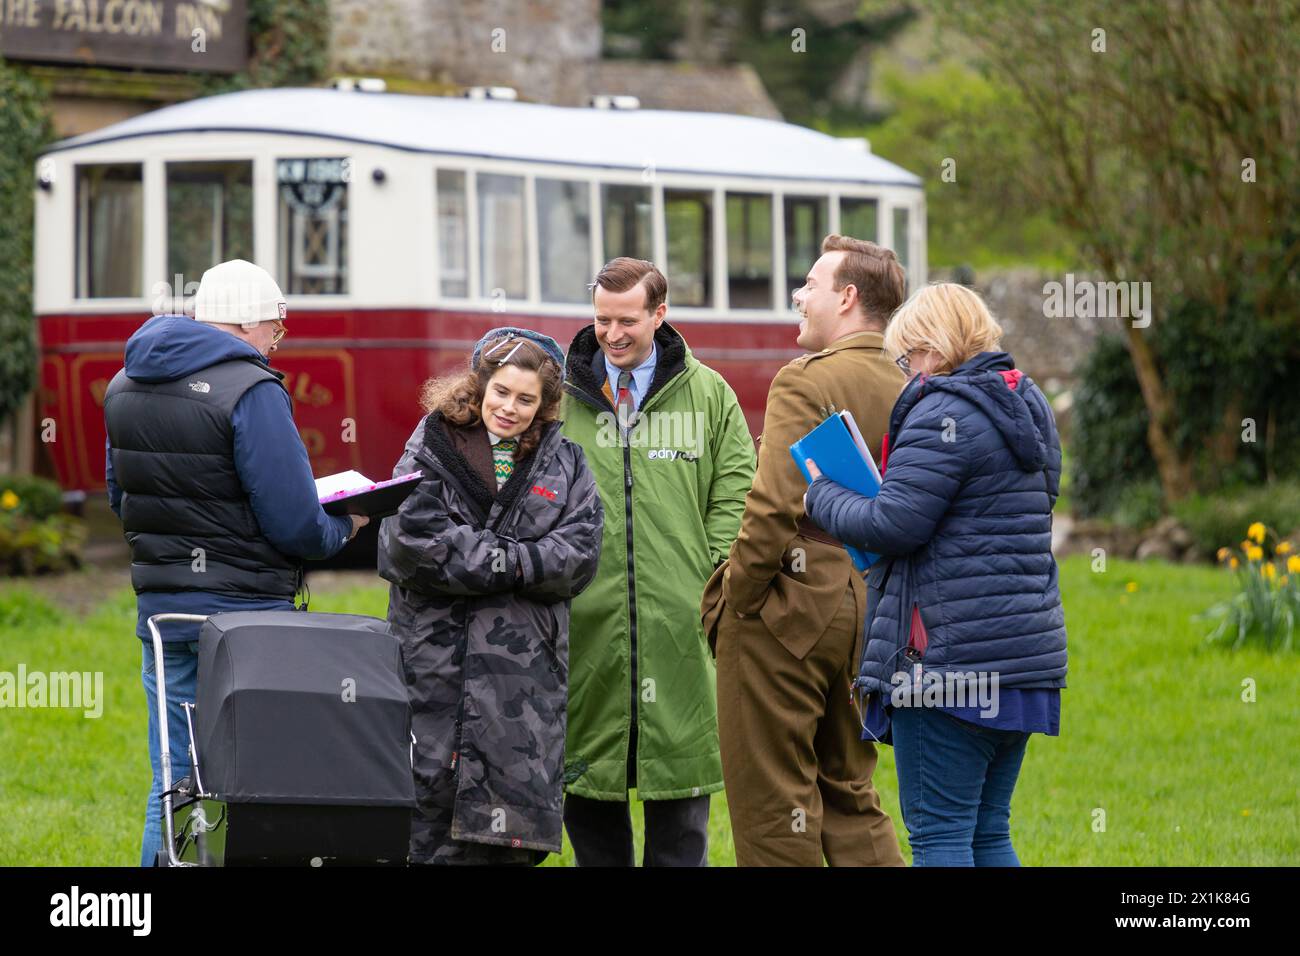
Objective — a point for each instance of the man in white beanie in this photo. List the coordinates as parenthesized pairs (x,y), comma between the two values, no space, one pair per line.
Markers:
(207,471)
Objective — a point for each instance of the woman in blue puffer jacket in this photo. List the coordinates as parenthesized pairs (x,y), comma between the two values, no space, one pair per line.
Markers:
(965,648)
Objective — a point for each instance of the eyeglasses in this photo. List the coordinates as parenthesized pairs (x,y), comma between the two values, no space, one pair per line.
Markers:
(903,363)
(279,333)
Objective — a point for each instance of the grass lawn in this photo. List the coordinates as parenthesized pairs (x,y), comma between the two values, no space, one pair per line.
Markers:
(1154,734)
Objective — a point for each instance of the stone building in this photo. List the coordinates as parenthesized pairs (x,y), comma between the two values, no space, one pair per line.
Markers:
(548,52)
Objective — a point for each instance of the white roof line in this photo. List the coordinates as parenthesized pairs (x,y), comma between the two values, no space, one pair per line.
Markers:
(676,142)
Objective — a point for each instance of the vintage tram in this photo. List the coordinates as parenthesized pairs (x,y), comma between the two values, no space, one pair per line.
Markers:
(402,227)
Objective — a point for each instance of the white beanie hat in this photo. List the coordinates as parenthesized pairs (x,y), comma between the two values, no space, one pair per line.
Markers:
(238,292)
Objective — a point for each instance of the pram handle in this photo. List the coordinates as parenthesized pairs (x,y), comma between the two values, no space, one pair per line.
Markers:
(164,739)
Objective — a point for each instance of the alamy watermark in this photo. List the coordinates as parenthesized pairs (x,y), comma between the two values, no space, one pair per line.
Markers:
(925,688)
(78,690)
(669,436)
(1086,299)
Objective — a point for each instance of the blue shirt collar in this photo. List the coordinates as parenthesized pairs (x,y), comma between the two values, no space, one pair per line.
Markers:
(641,375)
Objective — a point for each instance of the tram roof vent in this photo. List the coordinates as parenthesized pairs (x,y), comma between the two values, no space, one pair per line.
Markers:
(614,101)
(508,93)
(361,84)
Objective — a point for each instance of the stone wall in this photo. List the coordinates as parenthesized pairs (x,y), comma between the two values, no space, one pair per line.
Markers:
(1049,349)
(547,45)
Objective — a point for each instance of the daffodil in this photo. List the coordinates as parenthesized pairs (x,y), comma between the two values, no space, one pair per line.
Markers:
(1284,547)
(1256,532)
(1268,571)
(1232,563)
(1131,587)
(1254,553)
(9,500)
(1222,555)
(1293,564)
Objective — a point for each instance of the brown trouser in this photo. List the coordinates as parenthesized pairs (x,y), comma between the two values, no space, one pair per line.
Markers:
(798,777)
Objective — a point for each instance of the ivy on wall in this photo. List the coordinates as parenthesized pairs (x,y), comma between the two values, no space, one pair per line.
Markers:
(290,46)
(24,131)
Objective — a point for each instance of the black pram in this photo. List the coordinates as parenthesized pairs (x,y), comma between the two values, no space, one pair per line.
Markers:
(300,743)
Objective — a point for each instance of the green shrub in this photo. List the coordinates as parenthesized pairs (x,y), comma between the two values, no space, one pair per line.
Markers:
(39,546)
(1108,437)
(37,498)
(1140,505)
(1231,382)
(1217,520)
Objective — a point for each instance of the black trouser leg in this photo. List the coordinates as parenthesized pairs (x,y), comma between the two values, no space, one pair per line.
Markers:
(677,832)
(600,831)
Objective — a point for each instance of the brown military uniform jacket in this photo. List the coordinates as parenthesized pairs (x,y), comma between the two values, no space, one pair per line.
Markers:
(782,567)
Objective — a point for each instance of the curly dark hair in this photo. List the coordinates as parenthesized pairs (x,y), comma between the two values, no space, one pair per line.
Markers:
(459,396)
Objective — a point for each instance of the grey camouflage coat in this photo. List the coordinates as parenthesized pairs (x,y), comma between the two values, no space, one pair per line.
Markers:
(481,584)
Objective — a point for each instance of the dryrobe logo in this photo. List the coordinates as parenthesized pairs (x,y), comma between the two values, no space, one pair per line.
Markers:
(76,909)
(671,454)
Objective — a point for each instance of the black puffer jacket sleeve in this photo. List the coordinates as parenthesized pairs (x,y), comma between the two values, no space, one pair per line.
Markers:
(558,566)
(427,547)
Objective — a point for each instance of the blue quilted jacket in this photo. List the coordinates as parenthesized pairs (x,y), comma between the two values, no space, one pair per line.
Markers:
(964,522)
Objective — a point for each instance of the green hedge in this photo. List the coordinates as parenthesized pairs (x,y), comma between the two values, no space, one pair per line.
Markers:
(1210,357)
(24,130)
(1220,520)
(1108,432)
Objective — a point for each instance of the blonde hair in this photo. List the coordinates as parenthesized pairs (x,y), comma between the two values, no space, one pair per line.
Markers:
(945,318)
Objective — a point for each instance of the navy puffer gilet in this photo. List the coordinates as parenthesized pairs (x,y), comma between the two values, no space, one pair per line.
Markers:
(964,521)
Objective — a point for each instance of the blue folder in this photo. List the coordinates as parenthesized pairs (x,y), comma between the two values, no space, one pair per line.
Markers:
(841,454)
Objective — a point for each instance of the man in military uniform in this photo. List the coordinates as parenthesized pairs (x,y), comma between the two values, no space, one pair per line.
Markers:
(786,609)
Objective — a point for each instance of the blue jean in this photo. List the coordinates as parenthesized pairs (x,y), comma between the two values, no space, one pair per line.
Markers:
(180,670)
(955,781)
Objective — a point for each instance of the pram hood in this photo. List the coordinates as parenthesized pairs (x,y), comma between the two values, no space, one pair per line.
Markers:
(303,708)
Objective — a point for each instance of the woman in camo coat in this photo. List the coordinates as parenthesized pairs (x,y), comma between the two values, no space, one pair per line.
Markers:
(484,557)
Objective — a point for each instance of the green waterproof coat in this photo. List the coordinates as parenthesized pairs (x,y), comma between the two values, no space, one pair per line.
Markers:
(673,493)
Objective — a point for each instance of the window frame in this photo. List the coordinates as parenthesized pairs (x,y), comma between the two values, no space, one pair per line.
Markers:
(80,272)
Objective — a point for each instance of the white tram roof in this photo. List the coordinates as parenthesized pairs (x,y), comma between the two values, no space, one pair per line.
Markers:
(677,142)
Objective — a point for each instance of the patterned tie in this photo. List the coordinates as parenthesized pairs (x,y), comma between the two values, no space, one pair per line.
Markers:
(624,403)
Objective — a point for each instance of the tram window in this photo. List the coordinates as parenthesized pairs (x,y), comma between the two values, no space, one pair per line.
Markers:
(805,227)
(503,252)
(628,214)
(313,226)
(563,239)
(110,230)
(688,220)
(209,216)
(901,236)
(858,218)
(749,251)
(453,233)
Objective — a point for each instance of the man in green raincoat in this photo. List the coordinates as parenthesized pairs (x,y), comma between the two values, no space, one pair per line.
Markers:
(673,459)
